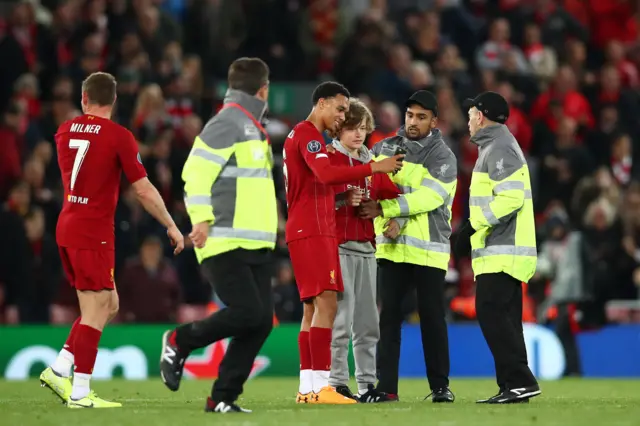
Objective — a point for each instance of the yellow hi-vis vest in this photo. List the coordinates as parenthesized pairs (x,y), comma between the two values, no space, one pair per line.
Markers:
(501,207)
(428,182)
(229,181)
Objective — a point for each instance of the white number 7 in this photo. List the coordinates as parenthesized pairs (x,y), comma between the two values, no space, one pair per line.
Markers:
(82,146)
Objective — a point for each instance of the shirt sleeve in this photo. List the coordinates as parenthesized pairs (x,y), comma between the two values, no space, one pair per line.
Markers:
(211,151)
(507,174)
(437,188)
(130,159)
(317,158)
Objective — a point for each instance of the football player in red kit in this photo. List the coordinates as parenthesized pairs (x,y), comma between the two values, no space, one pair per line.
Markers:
(311,233)
(93,151)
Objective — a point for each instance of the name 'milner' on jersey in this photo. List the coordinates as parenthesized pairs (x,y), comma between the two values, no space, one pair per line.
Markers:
(309,176)
(92,154)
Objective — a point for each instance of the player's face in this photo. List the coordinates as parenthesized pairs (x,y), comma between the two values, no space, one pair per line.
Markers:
(334,112)
(475,119)
(354,138)
(418,122)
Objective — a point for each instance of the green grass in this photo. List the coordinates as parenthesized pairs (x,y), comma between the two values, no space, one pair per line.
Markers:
(567,402)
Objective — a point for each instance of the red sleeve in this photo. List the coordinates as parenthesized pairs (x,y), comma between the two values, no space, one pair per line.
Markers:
(130,158)
(383,188)
(317,158)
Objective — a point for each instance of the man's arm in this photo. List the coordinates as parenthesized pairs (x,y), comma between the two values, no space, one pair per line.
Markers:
(136,174)
(210,153)
(150,198)
(506,169)
(316,157)
(434,190)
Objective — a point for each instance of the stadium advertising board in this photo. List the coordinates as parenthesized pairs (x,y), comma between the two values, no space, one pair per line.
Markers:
(132,352)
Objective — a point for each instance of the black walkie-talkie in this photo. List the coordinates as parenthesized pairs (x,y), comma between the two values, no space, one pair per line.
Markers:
(400,151)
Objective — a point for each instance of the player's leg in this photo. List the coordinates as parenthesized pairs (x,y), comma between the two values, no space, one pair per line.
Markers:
(339,376)
(305,387)
(57,377)
(94,287)
(299,251)
(366,331)
(256,295)
(328,281)
(395,280)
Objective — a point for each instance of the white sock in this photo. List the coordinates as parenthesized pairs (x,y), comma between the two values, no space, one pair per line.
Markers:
(63,363)
(320,379)
(306,381)
(362,390)
(81,385)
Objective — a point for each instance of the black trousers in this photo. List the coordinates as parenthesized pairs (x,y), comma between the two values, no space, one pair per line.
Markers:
(395,281)
(499,311)
(242,280)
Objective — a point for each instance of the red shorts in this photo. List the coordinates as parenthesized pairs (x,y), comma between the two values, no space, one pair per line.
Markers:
(316,266)
(88,270)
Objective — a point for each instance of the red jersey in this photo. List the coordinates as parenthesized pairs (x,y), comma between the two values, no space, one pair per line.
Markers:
(308,176)
(379,187)
(92,153)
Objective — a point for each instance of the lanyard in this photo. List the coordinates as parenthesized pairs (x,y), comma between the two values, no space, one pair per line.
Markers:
(251,117)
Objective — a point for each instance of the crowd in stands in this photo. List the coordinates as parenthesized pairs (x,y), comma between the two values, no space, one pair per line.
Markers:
(569,69)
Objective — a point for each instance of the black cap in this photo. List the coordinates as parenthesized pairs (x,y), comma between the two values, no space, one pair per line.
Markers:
(491,104)
(425,99)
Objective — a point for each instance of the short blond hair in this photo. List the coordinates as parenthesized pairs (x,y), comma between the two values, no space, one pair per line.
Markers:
(358,112)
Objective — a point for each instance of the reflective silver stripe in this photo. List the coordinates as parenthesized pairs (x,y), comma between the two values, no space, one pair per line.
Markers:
(198,200)
(488,214)
(245,234)
(236,172)
(199,152)
(483,200)
(504,250)
(404,206)
(436,187)
(415,242)
(480,200)
(507,186)
(405,189)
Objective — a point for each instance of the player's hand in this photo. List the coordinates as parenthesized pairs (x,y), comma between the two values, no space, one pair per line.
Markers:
(177,239)
(369,209)
(354,197)
(199,234)
(393,229)
(330,148)
(388,165)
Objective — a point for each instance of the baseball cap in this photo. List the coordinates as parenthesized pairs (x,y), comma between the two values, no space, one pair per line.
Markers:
(491,104)
(425,99)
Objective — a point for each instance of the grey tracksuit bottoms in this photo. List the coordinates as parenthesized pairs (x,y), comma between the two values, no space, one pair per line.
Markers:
(356,320)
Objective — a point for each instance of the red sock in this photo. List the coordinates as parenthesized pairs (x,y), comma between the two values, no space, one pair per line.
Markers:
(305,350)
(68,345)
(85,348)
(320,345)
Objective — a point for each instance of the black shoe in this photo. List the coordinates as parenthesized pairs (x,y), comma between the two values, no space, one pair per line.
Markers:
(516,395)
(345,391)
(171,363)
(487,400)
(223,407)
(442,395)
(374,395)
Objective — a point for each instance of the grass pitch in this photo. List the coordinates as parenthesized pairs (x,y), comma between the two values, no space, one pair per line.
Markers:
(568,402)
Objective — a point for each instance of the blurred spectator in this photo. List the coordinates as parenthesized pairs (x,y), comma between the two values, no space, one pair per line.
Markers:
(497,48)
(149,273)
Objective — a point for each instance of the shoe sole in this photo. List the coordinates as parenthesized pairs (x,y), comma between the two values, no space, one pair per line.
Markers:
(165,339)
(44,384)
(524,396)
